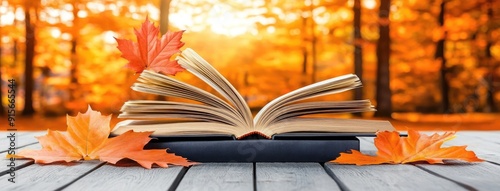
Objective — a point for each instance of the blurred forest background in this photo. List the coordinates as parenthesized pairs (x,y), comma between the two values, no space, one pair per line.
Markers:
(417,56)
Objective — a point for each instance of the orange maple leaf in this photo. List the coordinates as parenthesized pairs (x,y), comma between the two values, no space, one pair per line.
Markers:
(394,149)
(87,138)
(151,52)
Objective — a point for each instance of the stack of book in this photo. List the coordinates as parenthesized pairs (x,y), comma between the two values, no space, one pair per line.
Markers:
(222,128)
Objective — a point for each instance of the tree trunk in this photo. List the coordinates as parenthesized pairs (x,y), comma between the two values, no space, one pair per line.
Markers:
(73,87)
(313,44)
(358,56)
(73,71)
(490,99)
(440,48)
(305,54)
(383,93)
(28,71)
(164,15)
(2,112)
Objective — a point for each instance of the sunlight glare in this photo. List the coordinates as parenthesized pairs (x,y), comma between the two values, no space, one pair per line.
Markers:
(68,7)
(136,16)
(153,12)
(307,2)
(96,7)
(5,39)
(132,8)
(254,32)
(55,32)
(3,9)
(82,14)
(109,37)
(7,19)
(369,4)
(290,17)
(271,29)
(66,16)
(54,13)
(66,36)
(344,14)
(19,14)
(222,18)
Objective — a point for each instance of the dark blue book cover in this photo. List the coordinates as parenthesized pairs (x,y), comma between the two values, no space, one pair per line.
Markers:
(289,147)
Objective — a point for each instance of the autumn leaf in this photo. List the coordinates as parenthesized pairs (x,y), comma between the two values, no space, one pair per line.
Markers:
(417,147)
(87,138)
(151,52)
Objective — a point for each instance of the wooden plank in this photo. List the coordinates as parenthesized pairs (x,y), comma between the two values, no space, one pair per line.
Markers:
(383,177)
(218,176)
(18,163)
(293,176)
(489,137)
(21,139)
(493,136)
(110,177)
(47,177)
(483,144)
(480,176)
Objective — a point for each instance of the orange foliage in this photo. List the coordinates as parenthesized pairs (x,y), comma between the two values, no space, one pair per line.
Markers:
(87,138)
(277,37)
(417,147)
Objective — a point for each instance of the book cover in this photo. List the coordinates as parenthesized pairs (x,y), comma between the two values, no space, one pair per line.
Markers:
(289,147)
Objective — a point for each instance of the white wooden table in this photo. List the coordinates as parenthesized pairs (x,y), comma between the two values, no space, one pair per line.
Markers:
(263,176)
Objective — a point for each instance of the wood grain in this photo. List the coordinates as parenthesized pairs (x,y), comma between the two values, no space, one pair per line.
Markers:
(21,139)
(383,177)
(389,177)
(18,163)
(47,177)
(110,177)
(486,145)
(481,176)
(269,176)
(218,176)
(293,176)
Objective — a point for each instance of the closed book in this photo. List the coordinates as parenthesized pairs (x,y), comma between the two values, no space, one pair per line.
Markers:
(289,147)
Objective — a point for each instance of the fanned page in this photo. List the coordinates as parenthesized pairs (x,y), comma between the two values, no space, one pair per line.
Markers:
(213,116)
(230,114)
(285,107)
(195,64)
(213,108)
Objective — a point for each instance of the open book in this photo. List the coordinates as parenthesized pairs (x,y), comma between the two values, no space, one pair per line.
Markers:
(230,114)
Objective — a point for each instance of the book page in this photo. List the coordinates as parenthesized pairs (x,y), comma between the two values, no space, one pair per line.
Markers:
(330,86)
(141,109)
(319,107)
(195,64)
(165,128)
(159,84)
(329,125)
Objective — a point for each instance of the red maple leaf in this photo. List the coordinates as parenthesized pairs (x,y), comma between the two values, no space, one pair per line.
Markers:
(151,52)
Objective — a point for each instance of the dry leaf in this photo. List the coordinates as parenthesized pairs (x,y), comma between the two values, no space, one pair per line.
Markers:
(394,149)
(150,52)
(87,138)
